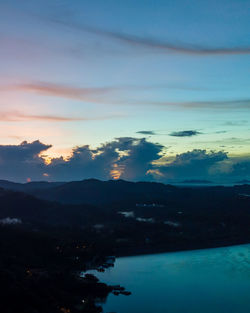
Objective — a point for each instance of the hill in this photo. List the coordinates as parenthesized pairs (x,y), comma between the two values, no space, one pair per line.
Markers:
(28,187)
(122,194)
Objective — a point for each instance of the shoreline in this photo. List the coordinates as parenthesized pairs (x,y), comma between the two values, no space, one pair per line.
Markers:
(138,251)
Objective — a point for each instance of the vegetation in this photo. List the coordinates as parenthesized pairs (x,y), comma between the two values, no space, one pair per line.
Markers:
(45,245)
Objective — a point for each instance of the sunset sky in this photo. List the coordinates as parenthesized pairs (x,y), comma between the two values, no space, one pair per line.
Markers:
(139,90)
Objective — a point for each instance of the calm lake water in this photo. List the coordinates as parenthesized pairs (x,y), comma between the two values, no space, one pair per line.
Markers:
(201,281)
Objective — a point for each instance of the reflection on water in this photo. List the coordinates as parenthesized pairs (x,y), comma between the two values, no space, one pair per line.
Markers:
(202,281)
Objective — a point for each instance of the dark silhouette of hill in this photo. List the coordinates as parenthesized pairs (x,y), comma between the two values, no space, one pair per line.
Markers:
(21,205)
(122,193)
(36,212)
(41,255)
(43,248)
(196,181)
(98,192)
(162,217)
(28,186)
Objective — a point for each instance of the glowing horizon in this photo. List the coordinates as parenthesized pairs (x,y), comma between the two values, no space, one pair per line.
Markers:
(88,72)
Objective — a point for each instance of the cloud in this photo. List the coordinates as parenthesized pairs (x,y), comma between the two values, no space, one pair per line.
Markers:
(20,117)
(215,104)
(240,169)
(185,133)
(146,132)
(154,43)
(85,162)
(126,157)
(236,123)
(57,90)
(106,94)
(119,95)
(195,164)
(220,132)
(103,95)
(88,94)
(20,162)
(139,160)
(49,118)
(135,41)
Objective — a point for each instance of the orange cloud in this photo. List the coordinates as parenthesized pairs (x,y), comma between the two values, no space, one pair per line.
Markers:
(105,95)
(19,117)
(63,91)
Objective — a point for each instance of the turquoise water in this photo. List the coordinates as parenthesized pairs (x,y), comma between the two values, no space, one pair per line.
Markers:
(201,281)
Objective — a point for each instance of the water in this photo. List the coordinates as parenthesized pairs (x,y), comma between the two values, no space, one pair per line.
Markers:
(202,281)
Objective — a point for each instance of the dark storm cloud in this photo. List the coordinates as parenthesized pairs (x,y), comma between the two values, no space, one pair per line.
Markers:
(139,160)
(131,157)
(127,158)
(24,152)
(20,162)
(192,164)
(241,169)
(146,132)
(185,133)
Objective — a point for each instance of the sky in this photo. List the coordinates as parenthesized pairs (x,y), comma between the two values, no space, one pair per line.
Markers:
(138,90)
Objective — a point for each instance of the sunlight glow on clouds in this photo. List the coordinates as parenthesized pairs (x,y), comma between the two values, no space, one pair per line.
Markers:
(91,71)
(24,162)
